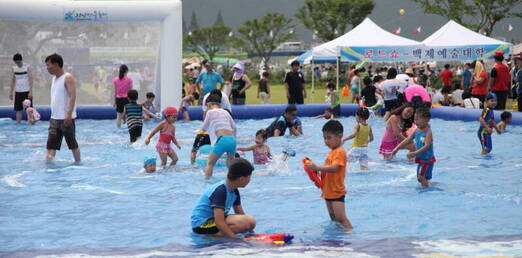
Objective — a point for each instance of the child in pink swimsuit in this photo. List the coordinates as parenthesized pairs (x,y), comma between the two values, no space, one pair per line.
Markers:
(394,132)
(260,150)
(32,114)
(167,135)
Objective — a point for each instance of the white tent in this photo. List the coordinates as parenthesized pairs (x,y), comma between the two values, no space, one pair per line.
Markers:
(367,33)
(454,34)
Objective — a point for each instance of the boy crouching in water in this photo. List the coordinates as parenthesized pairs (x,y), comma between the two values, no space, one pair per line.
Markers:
(333,172)
(211,214)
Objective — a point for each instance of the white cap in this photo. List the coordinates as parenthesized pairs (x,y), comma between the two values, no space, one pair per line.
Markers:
(27,103)
(404,77)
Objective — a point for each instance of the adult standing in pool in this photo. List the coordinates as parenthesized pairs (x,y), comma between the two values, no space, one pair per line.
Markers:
(122,85)
(21,85)
(63,109)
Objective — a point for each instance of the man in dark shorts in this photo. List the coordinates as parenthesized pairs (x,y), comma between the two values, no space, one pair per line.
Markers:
(63,109)
(295,85)
(202,138)
(279,125)
(21,85)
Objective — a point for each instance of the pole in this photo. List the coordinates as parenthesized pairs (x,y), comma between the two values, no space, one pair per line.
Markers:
(337,73)
(313,81)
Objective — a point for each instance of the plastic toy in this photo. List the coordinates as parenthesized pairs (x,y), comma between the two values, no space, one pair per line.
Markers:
(312,174)
(277,238)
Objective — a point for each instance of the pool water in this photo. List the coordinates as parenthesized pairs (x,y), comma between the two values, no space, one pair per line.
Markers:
(105,206)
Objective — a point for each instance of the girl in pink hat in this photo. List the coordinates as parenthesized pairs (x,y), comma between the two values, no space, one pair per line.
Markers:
(167,135)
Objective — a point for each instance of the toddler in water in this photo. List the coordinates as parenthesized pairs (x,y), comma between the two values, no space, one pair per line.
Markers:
(505,119)
(149,105)
(423,146)
(362,135)
(260,150)
(167,135)
(487,124)
(32,114)
(328,114)
(149,164)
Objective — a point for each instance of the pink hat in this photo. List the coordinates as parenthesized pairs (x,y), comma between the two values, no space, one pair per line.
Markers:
(170,111)
(27,103)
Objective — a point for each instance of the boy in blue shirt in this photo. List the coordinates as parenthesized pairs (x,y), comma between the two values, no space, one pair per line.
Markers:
(487,123)
(423,153)
(210,216)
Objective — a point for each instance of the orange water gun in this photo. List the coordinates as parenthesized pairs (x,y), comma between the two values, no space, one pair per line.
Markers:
(313,175)
(277,238)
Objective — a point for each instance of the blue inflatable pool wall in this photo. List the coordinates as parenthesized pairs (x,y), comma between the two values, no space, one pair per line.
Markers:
(269,111)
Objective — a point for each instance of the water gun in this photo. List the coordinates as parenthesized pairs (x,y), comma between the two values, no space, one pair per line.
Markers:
(312,174)
(277,238)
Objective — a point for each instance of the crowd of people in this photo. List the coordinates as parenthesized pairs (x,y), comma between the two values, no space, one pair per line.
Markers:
(403,99)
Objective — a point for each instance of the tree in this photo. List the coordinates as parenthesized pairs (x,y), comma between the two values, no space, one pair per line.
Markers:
(207,41)
(219,19)
(484,14)
(184,26)
(193,22)
(329,17)
(262,36)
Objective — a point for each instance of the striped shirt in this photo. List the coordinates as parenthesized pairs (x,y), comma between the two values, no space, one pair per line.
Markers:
(134,112)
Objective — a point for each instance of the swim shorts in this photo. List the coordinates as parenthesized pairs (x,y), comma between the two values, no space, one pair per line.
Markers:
(200,140)
(207,228)
(225,144)
(485,140)
(57,130)
(359,154)
(340,199)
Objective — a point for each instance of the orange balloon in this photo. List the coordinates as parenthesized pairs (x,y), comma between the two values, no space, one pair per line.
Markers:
(402,11)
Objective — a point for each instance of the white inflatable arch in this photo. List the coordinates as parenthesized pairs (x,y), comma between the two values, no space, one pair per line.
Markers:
(168,12)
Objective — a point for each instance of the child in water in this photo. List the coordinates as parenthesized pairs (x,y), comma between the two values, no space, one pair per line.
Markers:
(423,146)
(487,124)
(149,164)
(362,135)
(328,114)
(167,135)
(32,114)
(260,150)
(505,119)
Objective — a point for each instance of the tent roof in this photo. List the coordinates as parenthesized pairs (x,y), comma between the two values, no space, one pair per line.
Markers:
(454,34)
(367,33)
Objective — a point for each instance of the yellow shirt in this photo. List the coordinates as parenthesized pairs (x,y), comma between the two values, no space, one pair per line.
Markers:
(361,138)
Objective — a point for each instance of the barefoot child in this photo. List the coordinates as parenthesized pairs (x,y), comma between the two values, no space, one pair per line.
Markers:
(211,214)
(328,114)
(167,135)
(333,172)
(487,123)
(134,113)
(362,135)
(260,150)
(32,114)
(423,146)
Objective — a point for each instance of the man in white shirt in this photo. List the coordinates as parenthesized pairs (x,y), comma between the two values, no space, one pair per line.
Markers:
(63,109)
(21,85)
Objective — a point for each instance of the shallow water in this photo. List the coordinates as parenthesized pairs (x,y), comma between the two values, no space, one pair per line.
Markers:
(105,204)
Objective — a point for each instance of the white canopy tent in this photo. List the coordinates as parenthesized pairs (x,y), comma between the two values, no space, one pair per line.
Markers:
(463,43)
(366,34)
(168,12)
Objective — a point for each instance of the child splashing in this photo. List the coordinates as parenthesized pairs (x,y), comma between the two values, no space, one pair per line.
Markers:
(167,135)
(260,150)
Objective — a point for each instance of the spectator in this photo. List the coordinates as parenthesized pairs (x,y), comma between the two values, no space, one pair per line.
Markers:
(208,80)
(500,80)
(21,85)
(295,85)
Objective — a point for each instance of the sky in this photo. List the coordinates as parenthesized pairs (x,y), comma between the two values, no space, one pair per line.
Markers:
(385,14)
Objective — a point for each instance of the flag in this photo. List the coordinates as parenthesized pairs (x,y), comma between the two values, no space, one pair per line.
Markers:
(416,31)
(396,31)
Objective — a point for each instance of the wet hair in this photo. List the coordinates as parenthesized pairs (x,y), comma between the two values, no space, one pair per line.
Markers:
(132,95)
(333,127)
(213,98)
(392,73)
(377,78)
(329,109)
(423,113)
(55,59)
(505,115)
(265,74)
(150,95)
(240,167)
(216,92)
(367,81)
(363,113)
(123,70)
(263,133)
(447,66)
(17,57)
(398,112)
(295,63)
(290,109)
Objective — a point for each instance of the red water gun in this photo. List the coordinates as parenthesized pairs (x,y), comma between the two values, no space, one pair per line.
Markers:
(277,238)
(312,174)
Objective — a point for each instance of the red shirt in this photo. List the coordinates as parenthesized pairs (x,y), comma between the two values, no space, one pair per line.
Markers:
(481,88)
(502,77)
(446,76)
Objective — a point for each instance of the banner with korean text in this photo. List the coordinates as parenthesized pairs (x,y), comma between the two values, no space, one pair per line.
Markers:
(422,53)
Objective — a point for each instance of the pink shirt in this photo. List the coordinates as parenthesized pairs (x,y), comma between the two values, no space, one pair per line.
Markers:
(122,86)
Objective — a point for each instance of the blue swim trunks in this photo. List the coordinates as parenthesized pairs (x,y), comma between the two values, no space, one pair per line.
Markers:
(425,170)
(225,144)
(485,140)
